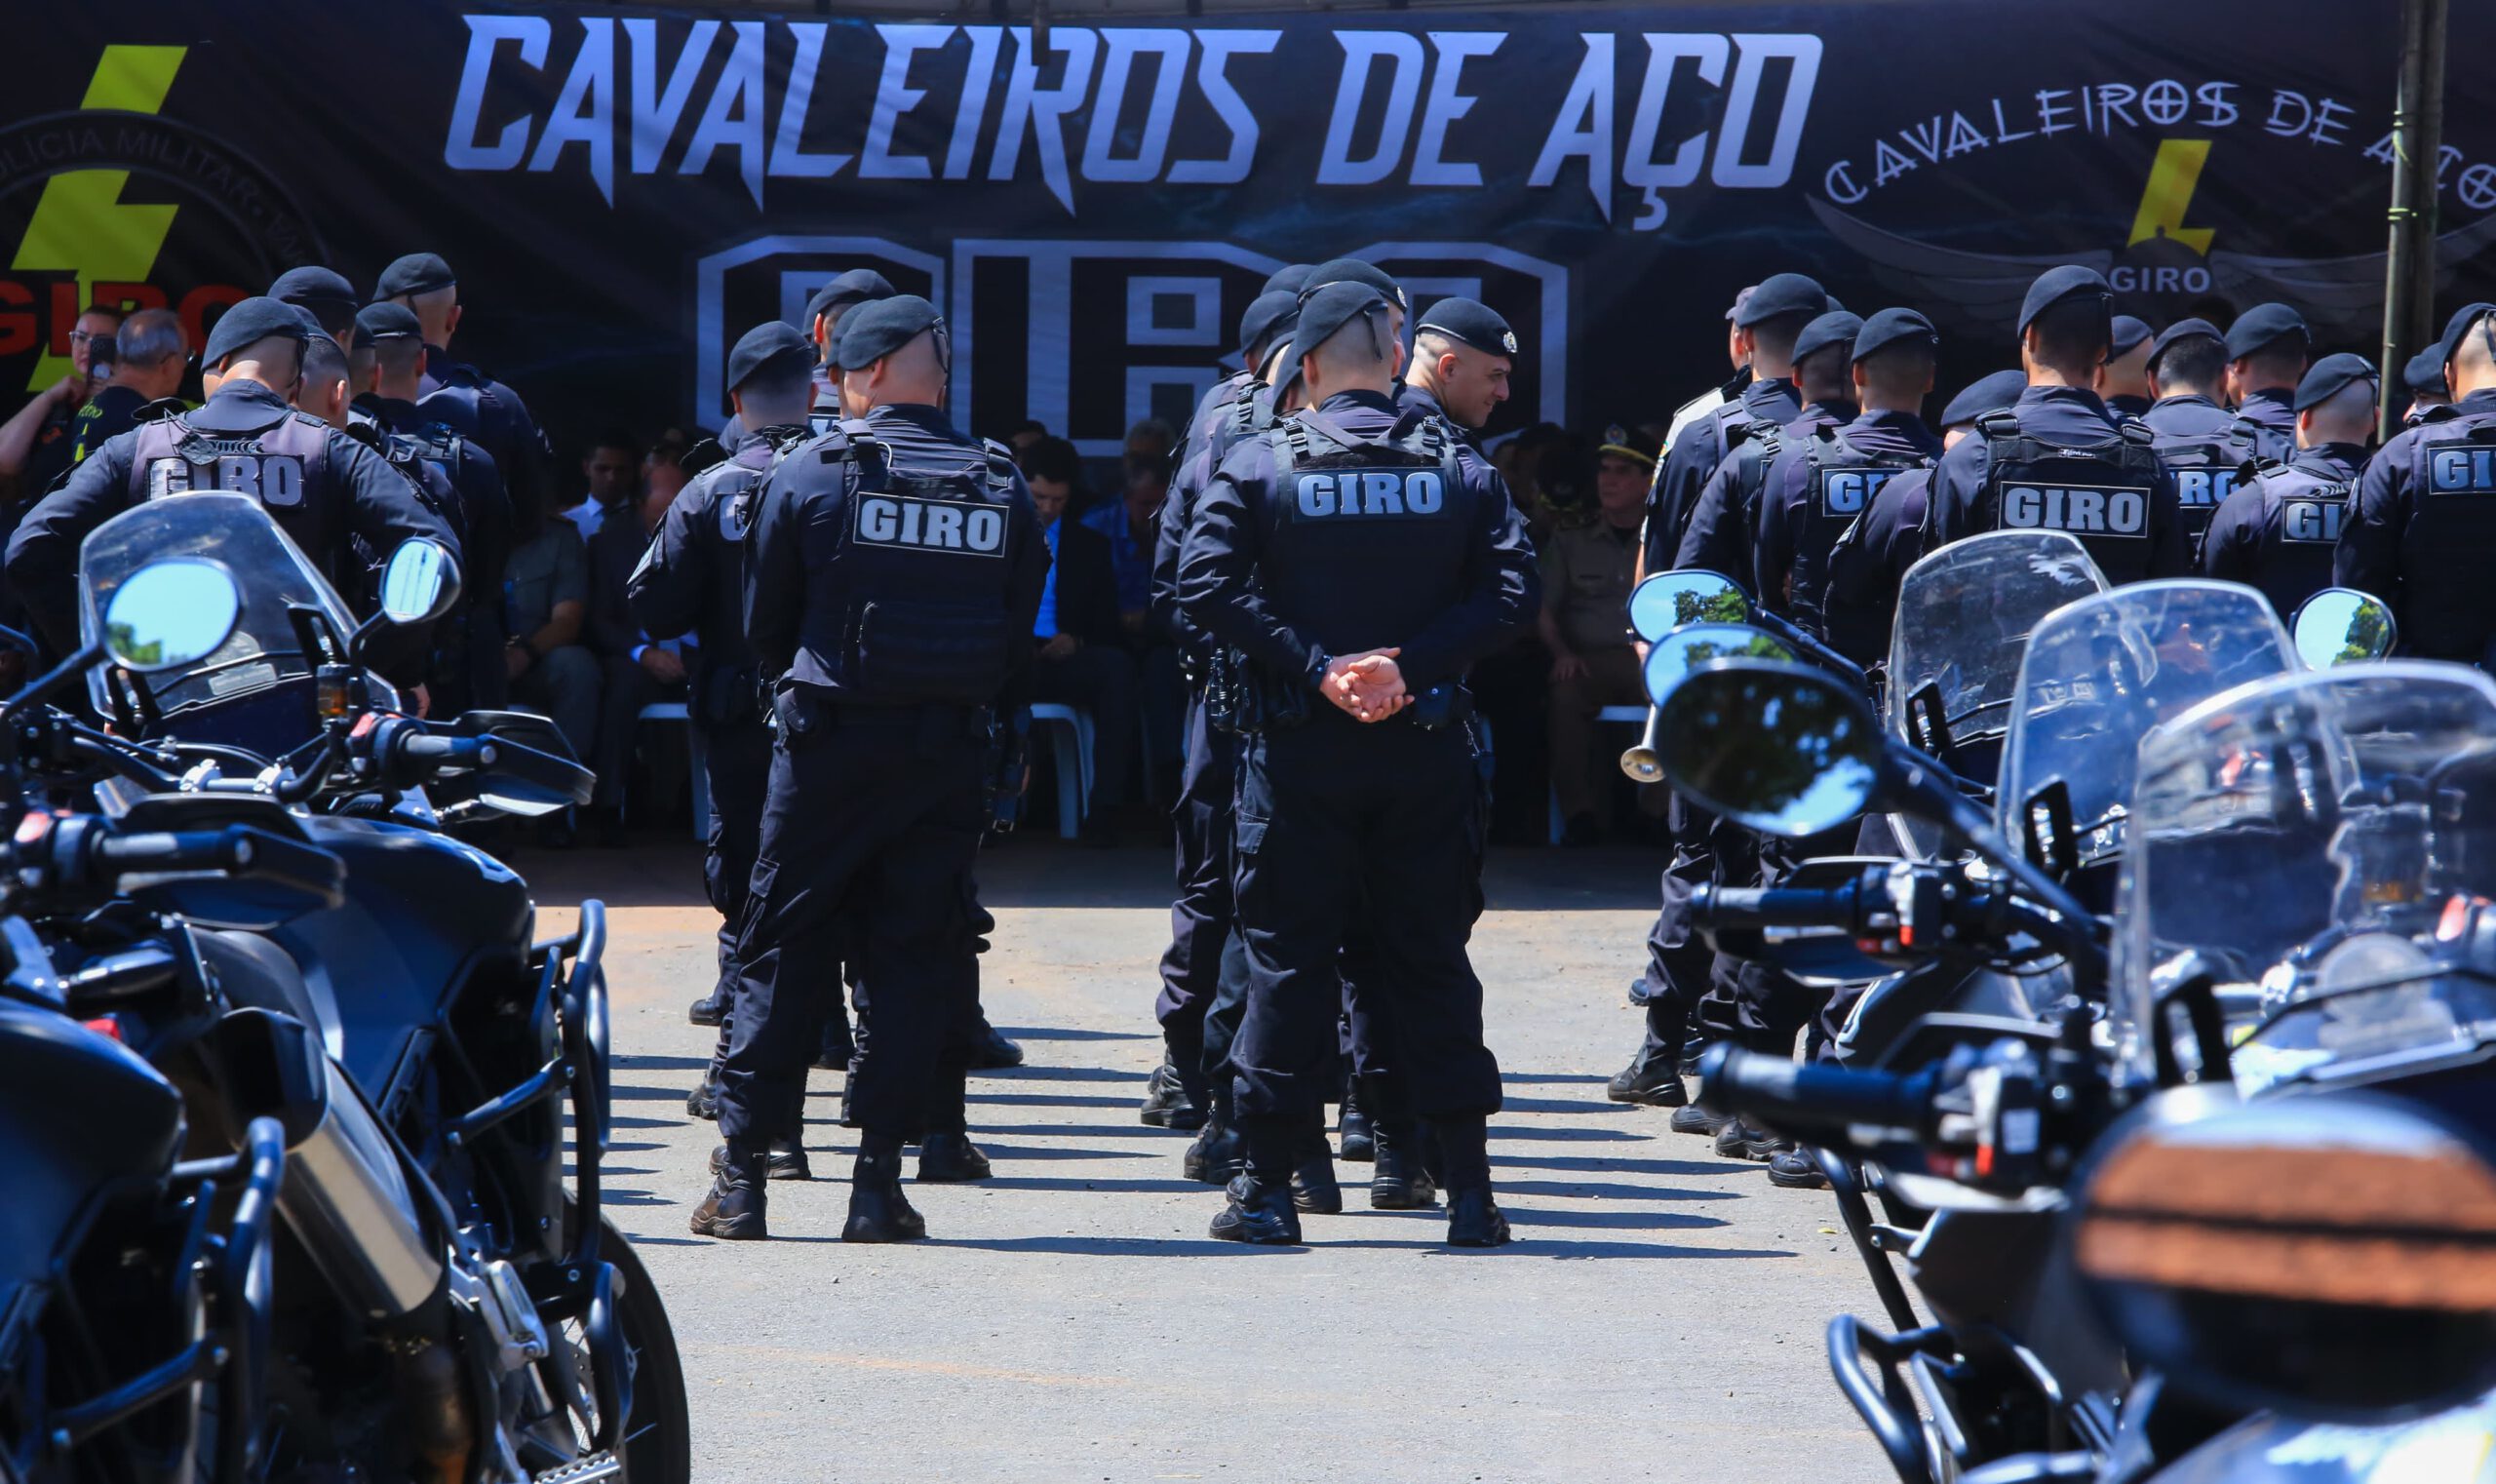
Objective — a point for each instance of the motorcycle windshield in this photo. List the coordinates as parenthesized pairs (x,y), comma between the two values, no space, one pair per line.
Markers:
(272,574)
(1965,614)
(2100,672)
(2326,842)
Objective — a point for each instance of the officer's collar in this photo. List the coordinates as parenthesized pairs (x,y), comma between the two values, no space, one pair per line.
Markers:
(2080,394)
(2349,454)
(2182,399)
(1889,417)
(245,389)
(2279,394)
(1360,396)
(919,413)
(1831,411)
(1769,388)
(394,409)
(2483,400)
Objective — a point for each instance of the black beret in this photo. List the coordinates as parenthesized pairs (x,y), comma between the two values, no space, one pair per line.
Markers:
(774,344)
(1836,329)
(311,321)
(1289,279)
(1326,310)
(2459,325)
(2056,284)
(386,321)
(416,273)
(2260,325)
(1472,323)
(1893,327)
(1351,270)
(1269,315)
(2130,332)
(850,288)
(878,328)
(1739,300)
(2183,329)
(254,319)
(2325,377)
(1780,294)
(2425,372)
(1622,441)
(313,286)
(1989,394)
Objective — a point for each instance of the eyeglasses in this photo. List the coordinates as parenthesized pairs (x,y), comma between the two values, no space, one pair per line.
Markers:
(82,336)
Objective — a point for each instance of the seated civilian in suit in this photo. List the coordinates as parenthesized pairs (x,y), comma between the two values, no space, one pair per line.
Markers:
(1083,659)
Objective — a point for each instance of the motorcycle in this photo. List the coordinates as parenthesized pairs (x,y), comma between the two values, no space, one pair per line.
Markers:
(439,1299)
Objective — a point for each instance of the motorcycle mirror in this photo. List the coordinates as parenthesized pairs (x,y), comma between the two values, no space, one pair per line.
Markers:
(2342,626)
(171,614)
(419,583)
(1771,745)
(2330,1256)
(1668,601)
(1673,656)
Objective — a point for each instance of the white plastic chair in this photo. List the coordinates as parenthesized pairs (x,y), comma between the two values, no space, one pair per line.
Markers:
(673,711)
(1072,747)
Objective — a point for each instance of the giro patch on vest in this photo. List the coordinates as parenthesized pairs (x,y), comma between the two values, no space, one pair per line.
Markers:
(964,527)
(1847,492)
(1367,494)
(2083,510)
(2313,521)
(239,467)
(2456,468)
(2203,489)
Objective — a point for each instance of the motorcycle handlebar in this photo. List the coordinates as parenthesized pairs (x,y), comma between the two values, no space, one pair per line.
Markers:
(463,752)
(1740,907)
(1800,1095)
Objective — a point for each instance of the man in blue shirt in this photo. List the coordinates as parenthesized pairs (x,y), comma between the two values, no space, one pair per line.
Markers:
(1082,657)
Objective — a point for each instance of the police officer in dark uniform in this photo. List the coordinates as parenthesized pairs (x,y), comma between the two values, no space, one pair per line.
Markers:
(1274,304)
(326,293)
(1766,326)
(466,398)
(2124,381)
(2281,527)
(1203,932)
(470,668)
(894,572)
(2057,461)
(1871,559)
(2424,377)
(320,485)
(2204,446)
(2266,353)
(1463,354)
(1826,482)
(1724,530)
(2422,536)
(692,579)
(1360,560)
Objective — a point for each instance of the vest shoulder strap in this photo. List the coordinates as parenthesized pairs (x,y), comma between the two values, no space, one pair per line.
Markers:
(702,455)
(160,409)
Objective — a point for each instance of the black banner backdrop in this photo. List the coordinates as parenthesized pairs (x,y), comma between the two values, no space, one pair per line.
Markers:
(624,192)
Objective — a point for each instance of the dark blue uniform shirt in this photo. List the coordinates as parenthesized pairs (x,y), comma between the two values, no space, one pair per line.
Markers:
(2067,417)
(2422,536)
(1795,536)
(691,577)
(1682,477)
(1293,577)
(1870,562)
(493,414)
(2279,532)
(2274,408)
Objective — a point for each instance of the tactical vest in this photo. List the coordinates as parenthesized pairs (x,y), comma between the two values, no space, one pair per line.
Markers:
(2302,513)
(725,682)
(2448,606)
(281,464)
(925,563)
(439,447)
(2102,492)
(1839,482)
(2207,468)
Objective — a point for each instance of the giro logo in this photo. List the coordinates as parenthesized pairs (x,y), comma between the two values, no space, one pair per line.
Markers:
(2203,489)
(951,526)
(1368,494)
(2312,521)
(1846,491)
(230,225)
(2083,510)
(2461,471)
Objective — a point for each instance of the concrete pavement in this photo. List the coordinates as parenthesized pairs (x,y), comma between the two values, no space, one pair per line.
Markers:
(1659,1316)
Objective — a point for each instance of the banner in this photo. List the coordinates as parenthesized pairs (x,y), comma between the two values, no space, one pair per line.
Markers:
(624,192)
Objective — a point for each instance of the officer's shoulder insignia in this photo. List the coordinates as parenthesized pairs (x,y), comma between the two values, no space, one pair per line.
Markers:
(702,455)
(160,409)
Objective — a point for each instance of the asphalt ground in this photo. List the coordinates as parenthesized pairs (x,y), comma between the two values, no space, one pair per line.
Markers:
(1660,1315)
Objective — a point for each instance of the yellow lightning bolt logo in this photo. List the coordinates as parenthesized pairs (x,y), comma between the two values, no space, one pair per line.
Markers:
(81,224)
(2169,194)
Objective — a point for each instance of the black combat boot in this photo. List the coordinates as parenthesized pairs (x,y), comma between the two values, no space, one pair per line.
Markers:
(1794,1168)
(991,1051)
(1737,1140)
(1171,1100)
(733,1209)
(836,1051)
(1256,1213)
(1355,1130)
(849,1081)
(1648,1084)
(1219,1154)
(1695,1119)
(787,1160)
(703,1102)
(946,1153)
(879,1212)
(1399,1180)
(1474,1218)
(709,1009)
(1313,1174)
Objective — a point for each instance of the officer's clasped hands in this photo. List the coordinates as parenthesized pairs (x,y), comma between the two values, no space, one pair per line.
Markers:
(1368,685)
